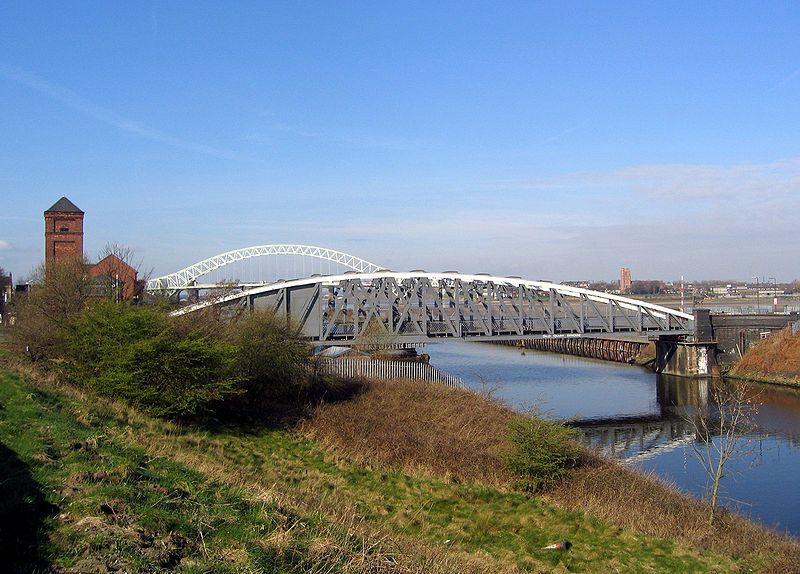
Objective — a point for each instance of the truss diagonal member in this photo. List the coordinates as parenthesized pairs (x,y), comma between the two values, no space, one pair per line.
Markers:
(568,312)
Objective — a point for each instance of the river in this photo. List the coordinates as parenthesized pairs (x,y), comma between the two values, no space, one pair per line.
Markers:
(642,419)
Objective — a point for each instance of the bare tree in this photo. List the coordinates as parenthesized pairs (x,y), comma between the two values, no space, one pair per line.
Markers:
(54,298)
(125,254)
(115,262)
(720,431)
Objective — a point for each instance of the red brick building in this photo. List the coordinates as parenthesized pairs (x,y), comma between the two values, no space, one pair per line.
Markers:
(63,233)
(117,275)
(63,241)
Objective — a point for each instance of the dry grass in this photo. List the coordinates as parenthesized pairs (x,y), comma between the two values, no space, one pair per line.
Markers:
(411,425)
(645,504)
(777,355)
(419,427)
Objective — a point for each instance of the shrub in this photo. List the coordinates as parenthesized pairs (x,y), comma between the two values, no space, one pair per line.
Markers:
(272,357)
(542,452)
(100,340)
(134,354)
(174,377)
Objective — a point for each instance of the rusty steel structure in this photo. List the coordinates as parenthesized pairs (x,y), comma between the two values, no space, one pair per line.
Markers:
(616,350)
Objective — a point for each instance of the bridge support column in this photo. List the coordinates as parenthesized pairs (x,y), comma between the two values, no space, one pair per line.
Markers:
(193,295)
(686,359)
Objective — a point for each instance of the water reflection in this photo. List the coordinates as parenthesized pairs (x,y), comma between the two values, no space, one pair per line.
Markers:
(772,412)
(631,414)
(630,438)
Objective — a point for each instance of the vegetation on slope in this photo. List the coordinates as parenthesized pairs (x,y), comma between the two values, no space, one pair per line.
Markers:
(111,481)
(776,358)
(625,501)
(84,491)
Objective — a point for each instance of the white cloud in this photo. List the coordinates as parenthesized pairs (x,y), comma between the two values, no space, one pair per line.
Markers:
(4,245)
(681,182)
(663,221)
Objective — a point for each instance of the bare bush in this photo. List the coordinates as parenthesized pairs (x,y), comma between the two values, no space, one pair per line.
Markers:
(43,313)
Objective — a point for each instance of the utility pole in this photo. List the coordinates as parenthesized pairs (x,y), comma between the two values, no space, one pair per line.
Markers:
(774,294)
(758,298)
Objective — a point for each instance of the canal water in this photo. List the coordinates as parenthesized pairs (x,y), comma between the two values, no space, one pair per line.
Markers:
(643,419)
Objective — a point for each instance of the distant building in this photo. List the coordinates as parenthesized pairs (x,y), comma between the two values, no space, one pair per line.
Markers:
(63,233)
(63,241)
(625,281)
(113,275)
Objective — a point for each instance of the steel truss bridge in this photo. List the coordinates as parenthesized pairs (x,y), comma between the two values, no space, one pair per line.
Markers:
(383,308)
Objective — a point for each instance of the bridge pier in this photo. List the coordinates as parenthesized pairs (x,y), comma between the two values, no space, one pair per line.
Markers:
(734,335)
(686,358)
(696,358)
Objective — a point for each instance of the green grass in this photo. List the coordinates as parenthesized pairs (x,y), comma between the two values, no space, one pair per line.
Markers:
(508,526)
(97,501)
(110,486)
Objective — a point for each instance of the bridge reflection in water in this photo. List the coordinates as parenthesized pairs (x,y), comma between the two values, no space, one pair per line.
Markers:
(680,402)
(635,438)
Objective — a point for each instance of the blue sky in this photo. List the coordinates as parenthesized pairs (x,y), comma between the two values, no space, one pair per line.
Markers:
(547,140)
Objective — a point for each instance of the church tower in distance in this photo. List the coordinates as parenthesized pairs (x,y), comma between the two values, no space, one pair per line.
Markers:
(63,233)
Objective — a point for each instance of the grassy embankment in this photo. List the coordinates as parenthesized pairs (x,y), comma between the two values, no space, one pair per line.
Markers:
(405,477)
(776,359)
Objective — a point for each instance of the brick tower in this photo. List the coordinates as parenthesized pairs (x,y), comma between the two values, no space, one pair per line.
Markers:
(63,232)
(625,281)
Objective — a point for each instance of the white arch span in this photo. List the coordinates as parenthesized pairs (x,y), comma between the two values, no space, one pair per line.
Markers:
(183,278)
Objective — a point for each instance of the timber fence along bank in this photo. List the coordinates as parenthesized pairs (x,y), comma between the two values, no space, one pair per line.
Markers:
(379,369)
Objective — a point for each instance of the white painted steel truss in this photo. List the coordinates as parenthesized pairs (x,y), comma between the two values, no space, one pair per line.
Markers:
(184,278)
(418,306)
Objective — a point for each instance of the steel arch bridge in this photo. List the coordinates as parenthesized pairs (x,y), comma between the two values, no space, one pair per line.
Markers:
(389,308)
(186,277)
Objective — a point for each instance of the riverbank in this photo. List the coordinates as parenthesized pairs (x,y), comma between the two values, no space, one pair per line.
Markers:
(115,488)
(775,360)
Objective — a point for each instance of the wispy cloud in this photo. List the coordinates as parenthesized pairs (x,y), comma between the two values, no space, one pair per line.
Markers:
(560,136)
(680,182)
(72,100)
(4,245)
